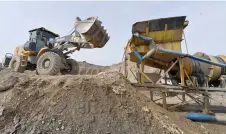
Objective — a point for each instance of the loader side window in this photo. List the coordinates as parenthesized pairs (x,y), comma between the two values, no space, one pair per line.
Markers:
(33,36)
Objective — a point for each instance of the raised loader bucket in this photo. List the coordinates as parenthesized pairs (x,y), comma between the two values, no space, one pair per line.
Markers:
(92,31)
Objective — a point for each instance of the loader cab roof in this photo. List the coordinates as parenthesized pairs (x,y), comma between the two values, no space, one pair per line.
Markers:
(45,30)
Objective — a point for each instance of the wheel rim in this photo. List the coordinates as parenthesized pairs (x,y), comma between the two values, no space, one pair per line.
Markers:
(69,69)
(46,63)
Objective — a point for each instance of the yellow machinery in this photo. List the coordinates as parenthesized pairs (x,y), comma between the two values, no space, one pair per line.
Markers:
(157,43)
(48,53)
(164,34)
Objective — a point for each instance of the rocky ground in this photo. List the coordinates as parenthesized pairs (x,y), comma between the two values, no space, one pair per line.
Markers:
(104,103)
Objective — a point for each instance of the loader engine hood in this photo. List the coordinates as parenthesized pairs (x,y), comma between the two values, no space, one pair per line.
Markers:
(92,31)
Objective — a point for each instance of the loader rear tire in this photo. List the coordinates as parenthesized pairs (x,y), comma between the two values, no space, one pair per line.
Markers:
(74,68)
(49,63)
(15,64)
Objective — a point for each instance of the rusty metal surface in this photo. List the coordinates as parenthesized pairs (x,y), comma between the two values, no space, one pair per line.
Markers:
(216,72)
(92,31)
(158,59)
(156,63)
(212,71)
(197,68)
(204,66)
(160,30)
(166,33)
(188,66)
(160,37)
(223,57)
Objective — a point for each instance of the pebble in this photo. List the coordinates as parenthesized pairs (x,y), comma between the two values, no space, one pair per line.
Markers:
(59,122)
(206,132)
(147,121)
(92,119)
(1,110)
(145,109)
(62,127)
(16,120)
(166,117)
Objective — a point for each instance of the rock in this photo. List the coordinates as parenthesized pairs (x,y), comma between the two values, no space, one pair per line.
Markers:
(145,109)
(206,132)
(166,117)
(203,127)
(147,121)
(118,89)
(1,110)
(59,122)
(16,120)
(92,119)
(62,127)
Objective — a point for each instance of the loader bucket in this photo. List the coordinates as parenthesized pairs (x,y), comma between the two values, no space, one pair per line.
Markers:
(92,31)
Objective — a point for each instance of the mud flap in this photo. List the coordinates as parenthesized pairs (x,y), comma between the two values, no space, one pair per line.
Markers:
(92,30)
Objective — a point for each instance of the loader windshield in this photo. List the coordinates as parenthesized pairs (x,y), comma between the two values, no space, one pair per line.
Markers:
(48,35)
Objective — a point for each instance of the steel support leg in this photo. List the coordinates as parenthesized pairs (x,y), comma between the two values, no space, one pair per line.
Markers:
(165,72)
(151,95)
(206,104)
(182,77)
(142,70)
(138,73)
(164,103)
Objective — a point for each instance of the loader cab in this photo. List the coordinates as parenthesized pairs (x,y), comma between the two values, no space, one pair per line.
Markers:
(38,39)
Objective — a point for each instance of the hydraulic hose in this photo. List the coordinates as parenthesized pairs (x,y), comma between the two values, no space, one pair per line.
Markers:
(205,117)
(156,48)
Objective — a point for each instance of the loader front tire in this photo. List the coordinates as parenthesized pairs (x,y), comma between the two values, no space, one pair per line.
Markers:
(16,65)
(49,63)
(74,68)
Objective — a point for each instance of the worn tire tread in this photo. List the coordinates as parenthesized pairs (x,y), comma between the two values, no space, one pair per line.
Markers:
(18,68)
(75,67)
(54,69)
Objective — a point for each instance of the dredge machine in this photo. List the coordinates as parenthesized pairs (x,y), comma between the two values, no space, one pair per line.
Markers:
(157,43)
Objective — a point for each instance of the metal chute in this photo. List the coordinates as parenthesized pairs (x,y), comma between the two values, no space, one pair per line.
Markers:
(92,31)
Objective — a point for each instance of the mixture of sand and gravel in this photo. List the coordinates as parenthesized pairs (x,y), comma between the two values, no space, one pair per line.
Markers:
(105,103)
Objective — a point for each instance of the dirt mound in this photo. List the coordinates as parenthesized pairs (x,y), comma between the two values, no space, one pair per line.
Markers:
(98,104)
(90,69)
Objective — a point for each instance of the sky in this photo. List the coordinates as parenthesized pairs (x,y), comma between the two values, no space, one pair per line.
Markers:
(205,32)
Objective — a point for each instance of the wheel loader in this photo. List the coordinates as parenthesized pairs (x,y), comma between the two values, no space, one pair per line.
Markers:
(48,53)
